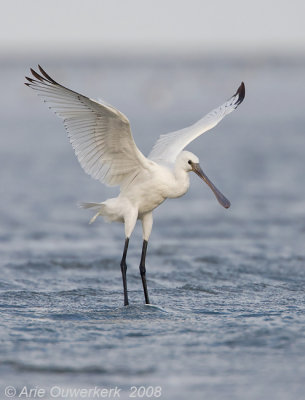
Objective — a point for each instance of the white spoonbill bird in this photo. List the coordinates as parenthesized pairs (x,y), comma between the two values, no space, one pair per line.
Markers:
(102,140)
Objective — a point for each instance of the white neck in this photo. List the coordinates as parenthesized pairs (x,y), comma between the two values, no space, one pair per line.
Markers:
(181,182)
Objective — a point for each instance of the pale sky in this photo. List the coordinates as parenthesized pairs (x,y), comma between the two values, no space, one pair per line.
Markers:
(152,25)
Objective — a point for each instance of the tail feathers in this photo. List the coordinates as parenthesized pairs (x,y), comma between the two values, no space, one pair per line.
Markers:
(95,206)
(90,205)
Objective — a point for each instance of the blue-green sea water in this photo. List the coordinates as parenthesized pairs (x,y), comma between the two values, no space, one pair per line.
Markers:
(227,319)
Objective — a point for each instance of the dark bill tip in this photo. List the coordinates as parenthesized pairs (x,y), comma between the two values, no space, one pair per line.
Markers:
(219,196)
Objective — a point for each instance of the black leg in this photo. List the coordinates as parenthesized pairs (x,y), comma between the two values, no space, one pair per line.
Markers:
(124,269)
(143,271)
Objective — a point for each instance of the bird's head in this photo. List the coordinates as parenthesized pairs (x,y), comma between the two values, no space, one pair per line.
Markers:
(186,159)
(189,162)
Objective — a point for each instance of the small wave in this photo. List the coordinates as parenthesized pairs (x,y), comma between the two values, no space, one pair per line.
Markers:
(22,367)
(155,308)
(140,312)
(137,334)
(68,369)
(7,286)
(196,288)
(259,314)
(208,312)
(104,263)
(67,316)
(86,291)
(208,260)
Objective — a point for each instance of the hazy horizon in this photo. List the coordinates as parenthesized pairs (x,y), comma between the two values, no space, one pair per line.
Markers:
(152,27)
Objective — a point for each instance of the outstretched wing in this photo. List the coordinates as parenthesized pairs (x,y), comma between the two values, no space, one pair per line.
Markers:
(168,146)
(100,134)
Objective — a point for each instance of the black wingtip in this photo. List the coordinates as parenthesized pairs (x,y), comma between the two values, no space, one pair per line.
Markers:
(44,77)
(47,76)
(30,80)
(37,76)
(241,92)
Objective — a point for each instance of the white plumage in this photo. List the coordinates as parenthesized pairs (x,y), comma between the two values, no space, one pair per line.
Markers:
(168,146)
(102,140)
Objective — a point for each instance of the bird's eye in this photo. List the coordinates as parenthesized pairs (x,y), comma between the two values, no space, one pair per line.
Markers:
(190,162)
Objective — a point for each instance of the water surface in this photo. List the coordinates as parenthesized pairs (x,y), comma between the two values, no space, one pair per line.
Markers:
(227,286)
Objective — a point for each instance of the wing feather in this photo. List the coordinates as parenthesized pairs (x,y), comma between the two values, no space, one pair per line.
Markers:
(168,146)
(100,134)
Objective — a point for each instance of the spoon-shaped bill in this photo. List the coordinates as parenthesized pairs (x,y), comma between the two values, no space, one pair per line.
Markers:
(219,196)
